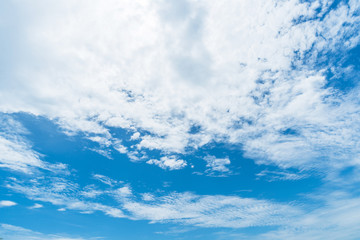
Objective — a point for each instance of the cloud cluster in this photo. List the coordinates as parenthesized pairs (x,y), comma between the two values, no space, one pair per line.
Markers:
(177,76)
(242,72)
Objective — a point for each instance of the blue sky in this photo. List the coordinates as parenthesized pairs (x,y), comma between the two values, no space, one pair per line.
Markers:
(179,119)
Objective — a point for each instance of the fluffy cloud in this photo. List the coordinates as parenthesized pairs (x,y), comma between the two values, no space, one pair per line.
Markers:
(241,71)
(177,76)
(7,203)
(171,163)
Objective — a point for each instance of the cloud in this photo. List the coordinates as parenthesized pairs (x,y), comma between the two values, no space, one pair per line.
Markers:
(281,175)
(181,208)
(7,203)
(148,197)
(182,76)
(61,192)
(171,163)
(11,232)
(217,164)
(135,136)
(246,85)
(211,211)
(36,206)
(16,152)
(104,179)
(338,218)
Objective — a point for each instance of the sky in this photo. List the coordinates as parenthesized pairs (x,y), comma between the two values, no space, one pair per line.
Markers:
(182,119)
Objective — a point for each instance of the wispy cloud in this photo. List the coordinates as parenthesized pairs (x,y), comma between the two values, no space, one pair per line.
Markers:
(11,232)
(106,180)
(185,208)
(61,192)
(17,153)
(338,218)
(36,206)
(280,175)
(211,211)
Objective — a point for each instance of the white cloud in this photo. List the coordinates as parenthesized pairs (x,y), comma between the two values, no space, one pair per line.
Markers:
(235,83)
(91,192)
(16,151)
(171,163)
(17,155)
(185,208)
(243,72)
(135,136)
(217,164)
(104,179)
(148,197)
(120,148)
(103,152)
(122,192)
(281,175)
(337,218)
(11,232)
(101,140)
(61,192)
(7,203)
(211,211)
(36,206)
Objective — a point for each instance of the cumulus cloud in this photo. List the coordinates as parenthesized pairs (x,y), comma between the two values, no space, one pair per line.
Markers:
(171,163)
(245,84)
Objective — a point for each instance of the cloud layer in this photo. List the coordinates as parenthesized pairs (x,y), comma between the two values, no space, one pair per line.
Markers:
(241,72)
(269,77)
